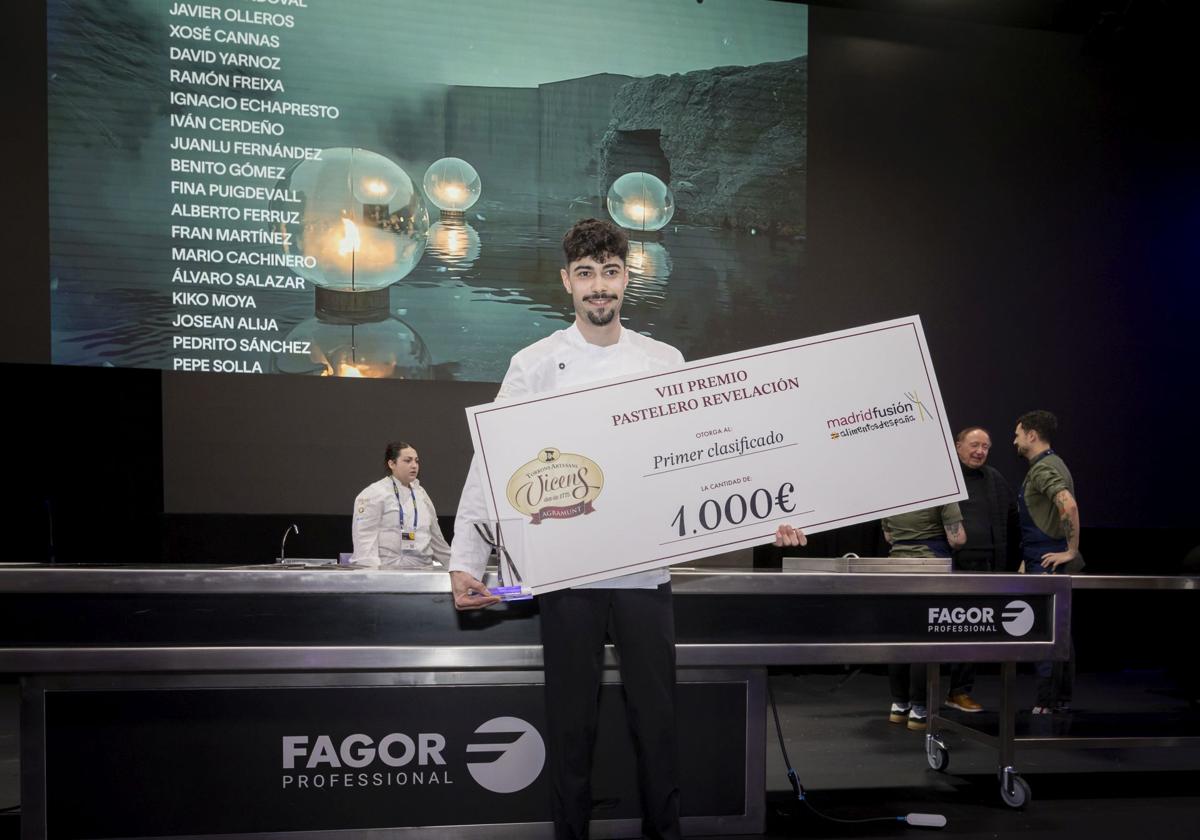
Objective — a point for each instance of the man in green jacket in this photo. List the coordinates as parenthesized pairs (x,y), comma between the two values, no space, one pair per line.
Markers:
(932,532)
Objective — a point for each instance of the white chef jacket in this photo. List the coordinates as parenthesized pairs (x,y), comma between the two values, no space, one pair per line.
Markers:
(376,528)
(560,360)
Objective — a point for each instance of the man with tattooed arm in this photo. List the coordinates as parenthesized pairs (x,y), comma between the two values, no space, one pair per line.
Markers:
(1049,535)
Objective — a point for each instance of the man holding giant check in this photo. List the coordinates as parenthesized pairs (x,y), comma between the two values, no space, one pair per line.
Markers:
(606,459)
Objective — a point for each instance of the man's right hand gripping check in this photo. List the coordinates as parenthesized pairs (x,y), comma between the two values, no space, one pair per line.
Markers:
(470,593)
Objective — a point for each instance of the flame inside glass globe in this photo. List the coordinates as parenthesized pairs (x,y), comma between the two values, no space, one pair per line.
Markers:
(356,222)
(382,349)
(452,184)
(350,241)
(640,201)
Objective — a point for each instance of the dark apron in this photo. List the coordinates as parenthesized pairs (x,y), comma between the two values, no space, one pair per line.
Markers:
(1034,541)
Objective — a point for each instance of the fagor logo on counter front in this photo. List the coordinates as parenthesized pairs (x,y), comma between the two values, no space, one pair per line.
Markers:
(517,763)
(506,755)
(1017,617)
(962,620)
(395,760)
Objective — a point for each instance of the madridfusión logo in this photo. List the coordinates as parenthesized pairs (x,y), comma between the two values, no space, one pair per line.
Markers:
(876,418)
(555,485)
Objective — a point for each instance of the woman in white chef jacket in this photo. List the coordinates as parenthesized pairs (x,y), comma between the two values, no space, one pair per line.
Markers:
(395,525)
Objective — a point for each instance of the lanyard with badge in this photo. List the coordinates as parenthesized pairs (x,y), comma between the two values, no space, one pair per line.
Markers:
(406,534)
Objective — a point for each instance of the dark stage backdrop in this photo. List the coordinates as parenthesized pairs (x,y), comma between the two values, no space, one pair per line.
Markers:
(1032,194)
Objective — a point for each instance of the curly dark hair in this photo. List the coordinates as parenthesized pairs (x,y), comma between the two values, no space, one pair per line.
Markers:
(1042,422)
(594,238)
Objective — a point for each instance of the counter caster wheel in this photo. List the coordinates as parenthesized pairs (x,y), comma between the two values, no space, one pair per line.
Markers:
(1014,790)
(936,753)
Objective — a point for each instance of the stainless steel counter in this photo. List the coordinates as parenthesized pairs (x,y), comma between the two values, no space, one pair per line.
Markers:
(328,578)
(145,629)
(63,619)
(316,576)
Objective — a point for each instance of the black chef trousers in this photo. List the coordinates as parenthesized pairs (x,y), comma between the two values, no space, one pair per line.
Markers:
(641,624)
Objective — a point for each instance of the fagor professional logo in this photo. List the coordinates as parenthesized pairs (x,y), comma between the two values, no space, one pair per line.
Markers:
(962,620)
(518,761)
(1017,617)
(359,760)
(505,755)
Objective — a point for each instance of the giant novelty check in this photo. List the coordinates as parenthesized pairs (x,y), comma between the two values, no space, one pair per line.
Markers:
(654,469)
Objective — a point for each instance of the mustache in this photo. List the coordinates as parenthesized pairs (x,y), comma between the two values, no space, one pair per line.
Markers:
(600,296)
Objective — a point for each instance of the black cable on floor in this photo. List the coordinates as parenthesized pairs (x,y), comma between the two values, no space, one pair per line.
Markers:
(794,778)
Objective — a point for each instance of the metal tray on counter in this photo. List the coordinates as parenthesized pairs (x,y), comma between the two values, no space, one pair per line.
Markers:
(866,565)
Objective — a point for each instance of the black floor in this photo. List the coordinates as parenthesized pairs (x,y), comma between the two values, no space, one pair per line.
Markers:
(10,768)
(853,764)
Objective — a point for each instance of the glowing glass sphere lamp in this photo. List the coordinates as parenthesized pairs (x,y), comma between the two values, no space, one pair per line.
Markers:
(640,201)
(452,185)
(355,220)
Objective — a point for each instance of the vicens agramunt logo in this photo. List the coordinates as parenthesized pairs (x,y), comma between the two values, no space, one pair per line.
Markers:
(555,485)
(1016,619)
